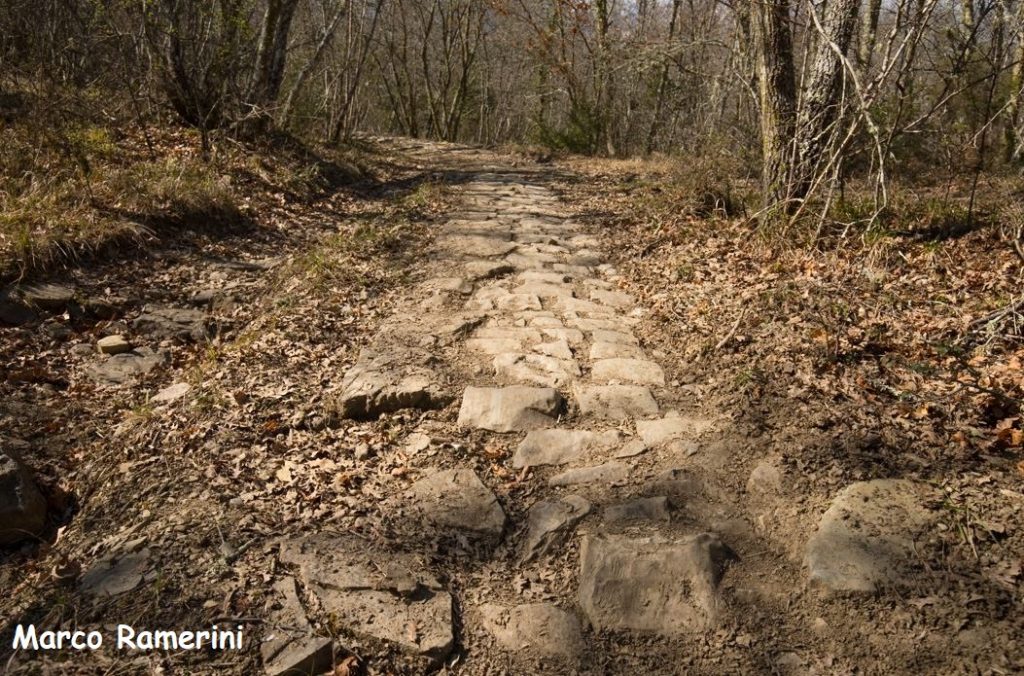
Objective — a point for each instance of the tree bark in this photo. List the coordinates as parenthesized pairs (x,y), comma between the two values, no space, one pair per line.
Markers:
(868,35)
(777,89)
(820,110)
(270,60)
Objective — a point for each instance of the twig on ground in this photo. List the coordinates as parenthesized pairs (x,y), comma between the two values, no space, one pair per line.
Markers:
(732,331)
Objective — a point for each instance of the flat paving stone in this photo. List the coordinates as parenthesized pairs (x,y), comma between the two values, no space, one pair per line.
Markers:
(457,500)
(557,348)
(478,246)
(494,346)
(510,409)
(386,595)
(637,371)
(538,369)
(561,446)
(615,402)
(637,511)
(571,336)
(868,537)
(618,325)
(539,629)
(549,524)
(383,383)
(525,335)
(290,644)
(496,298)
(605,336)
(545,290)
(652,584)
(615,351)
(536,276)
(616,299)
(179,323)
(656,432)
(580,306)
(610,473)
(480,270)
(124,368)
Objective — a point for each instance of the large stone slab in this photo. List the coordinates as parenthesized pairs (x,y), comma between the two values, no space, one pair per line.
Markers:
(868,536)
(637,371)
(124,368)
(638,511)
(549,525)
(652,584)
(605,336)
(615,402)
(615,351)
(557,348)
(616,299)
(456,500)
(478,246)
(608,473)
(497,298)
(49,297)
(179,323)
(290,645)
(538,369)
(379,384)
(510,409)
(655,432)
(384,595)
(560,446)
(539,629)
(22,506)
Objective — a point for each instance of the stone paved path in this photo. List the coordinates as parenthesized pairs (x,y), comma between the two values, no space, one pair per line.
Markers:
(530,340)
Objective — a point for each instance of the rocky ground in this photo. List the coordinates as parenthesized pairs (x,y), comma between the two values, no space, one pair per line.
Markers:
(493,460)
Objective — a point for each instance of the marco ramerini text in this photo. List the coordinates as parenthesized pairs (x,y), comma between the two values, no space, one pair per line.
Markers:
(128,637)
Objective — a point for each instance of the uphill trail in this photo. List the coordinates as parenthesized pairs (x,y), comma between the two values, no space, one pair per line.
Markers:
(565,506)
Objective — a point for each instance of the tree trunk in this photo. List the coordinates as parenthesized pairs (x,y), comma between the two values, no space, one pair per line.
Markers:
(868,35)
(1011,141)
(659,102)
(270,60)
(820,110)
(314,61)
(777,89)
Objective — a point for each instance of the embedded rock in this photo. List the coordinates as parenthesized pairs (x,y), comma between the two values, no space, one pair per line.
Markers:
(113,345)
(290,645)
(383,595)
(22,506)
(536,368)
(550,523)
(509,409)
(651,584)
(177,323)
(457,500)
(640,510)
(655,432)
(615,402)
(610,472)
(541,629)
(379,384)
(868,536)
(637,371)
(120,369)
(560,446)
(49,297)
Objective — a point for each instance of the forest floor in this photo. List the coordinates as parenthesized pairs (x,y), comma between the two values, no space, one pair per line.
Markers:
(480,415)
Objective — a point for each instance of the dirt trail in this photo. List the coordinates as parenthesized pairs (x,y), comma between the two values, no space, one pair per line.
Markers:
(535,494)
